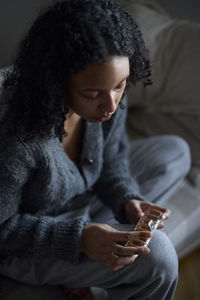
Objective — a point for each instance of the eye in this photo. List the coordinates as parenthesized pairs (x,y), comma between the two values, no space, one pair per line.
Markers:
(120,86)
(90,96)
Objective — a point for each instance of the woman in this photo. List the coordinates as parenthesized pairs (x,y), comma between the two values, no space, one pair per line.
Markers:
(65,184)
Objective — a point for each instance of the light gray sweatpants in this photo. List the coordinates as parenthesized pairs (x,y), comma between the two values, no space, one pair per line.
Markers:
(158,164)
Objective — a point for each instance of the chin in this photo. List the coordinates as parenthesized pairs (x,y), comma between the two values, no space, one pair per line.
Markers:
(92,120)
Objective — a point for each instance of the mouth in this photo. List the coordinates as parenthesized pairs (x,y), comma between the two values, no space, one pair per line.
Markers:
(104,118)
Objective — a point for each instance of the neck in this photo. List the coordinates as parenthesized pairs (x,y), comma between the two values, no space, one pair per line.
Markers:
(71,120)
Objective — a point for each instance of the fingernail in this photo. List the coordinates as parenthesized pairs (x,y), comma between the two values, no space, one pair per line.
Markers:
(164,216)
(140,214)
(146,233)
(146,250)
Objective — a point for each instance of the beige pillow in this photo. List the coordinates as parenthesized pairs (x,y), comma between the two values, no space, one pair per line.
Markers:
(172,104)
(151,18)
(176,71)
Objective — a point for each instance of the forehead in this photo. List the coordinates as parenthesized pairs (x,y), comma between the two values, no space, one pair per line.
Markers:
(102,75)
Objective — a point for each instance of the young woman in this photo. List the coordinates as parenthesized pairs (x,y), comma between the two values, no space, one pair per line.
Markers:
(67,198)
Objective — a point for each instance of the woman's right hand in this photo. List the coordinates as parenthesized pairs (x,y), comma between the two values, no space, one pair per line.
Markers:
(101,242)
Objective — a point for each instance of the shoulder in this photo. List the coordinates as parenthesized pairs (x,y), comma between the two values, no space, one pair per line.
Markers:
(15,149)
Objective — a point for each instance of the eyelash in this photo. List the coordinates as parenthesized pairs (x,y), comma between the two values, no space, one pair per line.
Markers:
(119,87)
(88,97)
(122,86)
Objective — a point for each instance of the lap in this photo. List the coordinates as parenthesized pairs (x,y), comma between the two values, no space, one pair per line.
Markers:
(152,160)
(88,272)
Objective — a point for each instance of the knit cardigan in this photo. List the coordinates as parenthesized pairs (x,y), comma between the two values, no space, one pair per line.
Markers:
(38,181)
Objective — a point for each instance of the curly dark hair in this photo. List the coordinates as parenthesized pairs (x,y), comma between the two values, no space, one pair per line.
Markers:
(68,37)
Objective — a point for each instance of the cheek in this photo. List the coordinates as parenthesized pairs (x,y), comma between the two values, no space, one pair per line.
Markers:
(75,103)
(84,107)
(119,97)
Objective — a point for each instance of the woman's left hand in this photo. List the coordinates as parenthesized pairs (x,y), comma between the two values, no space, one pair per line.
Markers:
(134,210)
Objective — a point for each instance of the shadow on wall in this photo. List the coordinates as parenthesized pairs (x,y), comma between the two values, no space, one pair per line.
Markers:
(16,17)
(183,9)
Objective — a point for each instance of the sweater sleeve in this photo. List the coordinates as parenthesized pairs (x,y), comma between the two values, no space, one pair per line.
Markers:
(115,185)
(26,234)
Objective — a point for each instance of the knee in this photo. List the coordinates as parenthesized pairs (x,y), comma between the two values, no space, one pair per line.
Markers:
(183,149)
(155,273)
(162,261)
(177,152)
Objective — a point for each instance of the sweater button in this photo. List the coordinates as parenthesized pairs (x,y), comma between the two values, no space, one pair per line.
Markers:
(122,106)
(89,161)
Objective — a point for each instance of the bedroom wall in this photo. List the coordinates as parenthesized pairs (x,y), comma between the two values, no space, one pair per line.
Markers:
(189,9)
(17,15)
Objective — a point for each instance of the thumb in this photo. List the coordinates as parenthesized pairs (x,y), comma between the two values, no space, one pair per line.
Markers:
(138,211)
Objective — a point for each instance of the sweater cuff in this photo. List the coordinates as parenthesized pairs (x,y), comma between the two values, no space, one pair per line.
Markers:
(67,237)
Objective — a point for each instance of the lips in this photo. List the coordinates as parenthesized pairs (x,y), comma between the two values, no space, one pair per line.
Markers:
(105,118)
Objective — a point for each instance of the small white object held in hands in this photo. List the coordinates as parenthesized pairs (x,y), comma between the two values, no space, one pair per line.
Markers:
(149,222)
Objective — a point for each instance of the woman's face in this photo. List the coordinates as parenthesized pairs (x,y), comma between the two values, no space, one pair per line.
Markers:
(95,92)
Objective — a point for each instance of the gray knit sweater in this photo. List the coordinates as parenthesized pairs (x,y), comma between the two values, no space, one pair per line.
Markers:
(38,181)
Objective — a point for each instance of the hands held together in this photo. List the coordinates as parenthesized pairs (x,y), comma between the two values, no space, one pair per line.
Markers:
(101,241)
(105,244)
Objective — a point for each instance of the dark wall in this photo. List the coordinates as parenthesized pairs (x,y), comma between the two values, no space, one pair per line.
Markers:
(189,9)
(17,15)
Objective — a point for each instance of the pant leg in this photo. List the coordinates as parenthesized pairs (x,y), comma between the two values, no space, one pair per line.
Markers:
(159,164)
(154,164)
(152,276)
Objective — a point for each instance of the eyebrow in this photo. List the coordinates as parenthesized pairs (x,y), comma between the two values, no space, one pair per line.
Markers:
(100,90)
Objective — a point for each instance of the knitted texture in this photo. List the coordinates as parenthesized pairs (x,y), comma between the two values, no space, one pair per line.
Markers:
(38,181)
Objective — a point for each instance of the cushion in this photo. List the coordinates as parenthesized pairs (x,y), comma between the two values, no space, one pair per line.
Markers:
(171,105)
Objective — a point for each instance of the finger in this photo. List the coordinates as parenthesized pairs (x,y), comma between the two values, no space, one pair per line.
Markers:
(166,214)
(130,235)
(131,250)
(161,225)
(119,262)
(124,260)
(165,211)
(139,213)
(118,267)
(138,240)
(151,214)
(140,235)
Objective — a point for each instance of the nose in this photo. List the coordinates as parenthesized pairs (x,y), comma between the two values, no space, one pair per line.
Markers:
(109,103)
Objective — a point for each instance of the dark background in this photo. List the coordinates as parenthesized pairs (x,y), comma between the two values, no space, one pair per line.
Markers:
(189,9)
(16,16)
